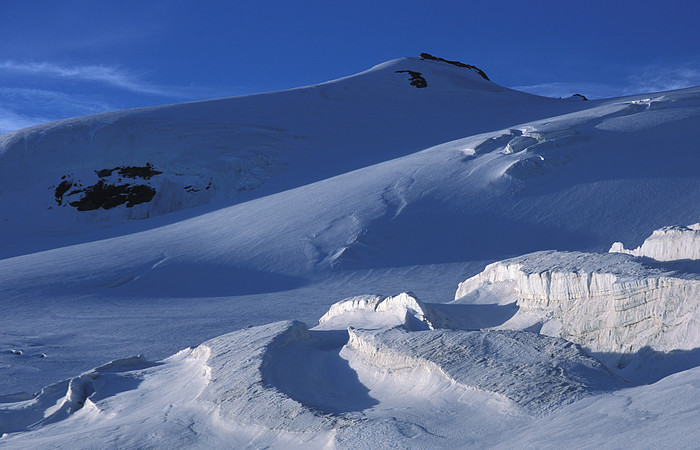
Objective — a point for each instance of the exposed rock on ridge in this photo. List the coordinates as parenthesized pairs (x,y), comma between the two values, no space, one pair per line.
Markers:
(455,63)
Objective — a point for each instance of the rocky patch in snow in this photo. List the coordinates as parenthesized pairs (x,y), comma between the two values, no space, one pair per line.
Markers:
(109,191)
(145,172)
(416,79)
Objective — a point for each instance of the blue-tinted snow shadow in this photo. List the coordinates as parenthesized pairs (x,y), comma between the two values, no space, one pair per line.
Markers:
(473,317)
(313,373)
(426,234)
(679,266)
(648,366)
(197,280)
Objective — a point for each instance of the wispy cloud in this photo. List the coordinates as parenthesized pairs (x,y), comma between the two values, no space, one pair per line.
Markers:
(652,78)
(23,107)
(567,89)
(110,76)
(657,78)
(37,92)
(115,77)
(11,120)
(42,98)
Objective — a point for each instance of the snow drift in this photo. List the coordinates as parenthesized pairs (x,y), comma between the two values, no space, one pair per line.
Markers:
(235,149)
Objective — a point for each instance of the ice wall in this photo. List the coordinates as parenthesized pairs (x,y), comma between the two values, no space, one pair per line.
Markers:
(667,244)
(605,302)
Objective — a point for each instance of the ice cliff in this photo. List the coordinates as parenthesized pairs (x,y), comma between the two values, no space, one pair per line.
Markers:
(667,244)
(612,303)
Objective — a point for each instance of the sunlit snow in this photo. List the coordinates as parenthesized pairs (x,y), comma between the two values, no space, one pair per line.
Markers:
(370,262)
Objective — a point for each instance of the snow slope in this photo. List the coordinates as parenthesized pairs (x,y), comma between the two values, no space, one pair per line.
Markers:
(240,148)
(271,208)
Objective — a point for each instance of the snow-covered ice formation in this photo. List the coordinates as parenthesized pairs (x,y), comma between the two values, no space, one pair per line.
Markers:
(538,373)
(250,380)
(370,311)
(218,388)
(60,400)
(239,385)
(604,302)
(667,244)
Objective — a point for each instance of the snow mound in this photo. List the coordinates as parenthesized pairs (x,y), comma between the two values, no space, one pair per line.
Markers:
(376,311)
(538,373)
(605,302)
(233,369)
(667,244)
(207,396)
(239,385)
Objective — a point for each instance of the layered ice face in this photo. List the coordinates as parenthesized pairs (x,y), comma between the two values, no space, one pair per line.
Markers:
(667,244)
(608,302)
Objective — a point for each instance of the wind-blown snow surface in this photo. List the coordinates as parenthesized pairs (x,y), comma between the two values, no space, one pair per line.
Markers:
(275,207)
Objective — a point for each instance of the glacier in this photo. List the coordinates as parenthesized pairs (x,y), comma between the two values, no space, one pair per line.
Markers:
(291,282)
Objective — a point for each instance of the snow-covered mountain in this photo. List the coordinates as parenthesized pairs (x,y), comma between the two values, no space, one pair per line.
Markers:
(230,228)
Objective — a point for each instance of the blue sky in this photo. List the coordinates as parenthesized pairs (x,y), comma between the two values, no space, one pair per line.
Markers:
(65,58)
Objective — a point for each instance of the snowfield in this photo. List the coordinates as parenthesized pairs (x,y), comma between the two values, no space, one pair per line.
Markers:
(413,256)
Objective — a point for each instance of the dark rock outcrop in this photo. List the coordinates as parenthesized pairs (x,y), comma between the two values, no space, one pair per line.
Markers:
(416,79)
(430,57)
(106,196)
(108,193)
